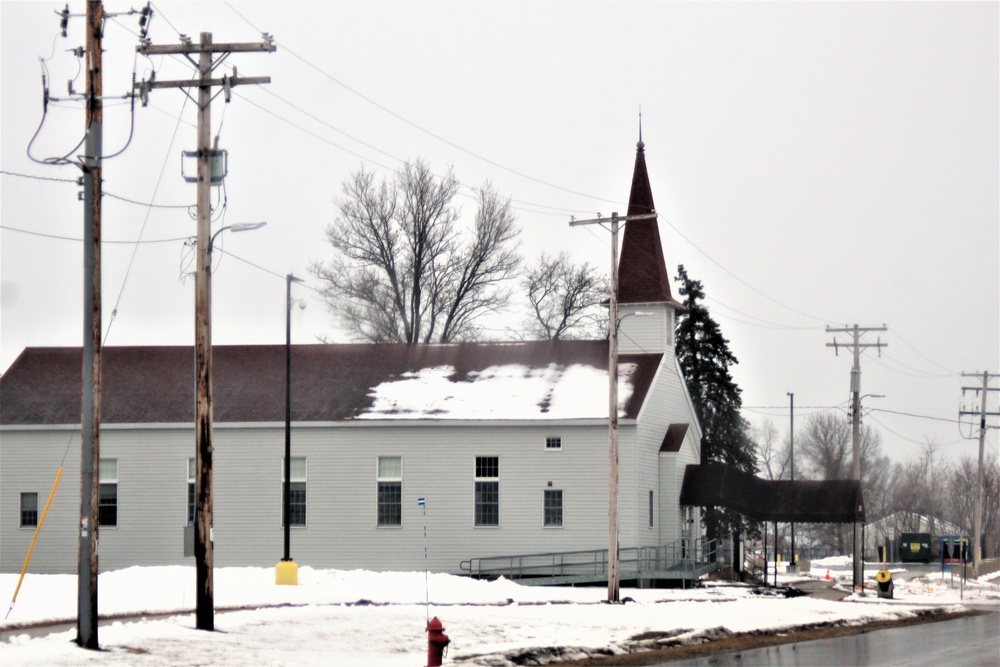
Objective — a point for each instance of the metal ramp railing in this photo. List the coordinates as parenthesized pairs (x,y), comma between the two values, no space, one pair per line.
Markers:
(684,560)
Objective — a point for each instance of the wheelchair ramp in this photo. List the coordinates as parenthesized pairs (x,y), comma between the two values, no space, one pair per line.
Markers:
(683,560)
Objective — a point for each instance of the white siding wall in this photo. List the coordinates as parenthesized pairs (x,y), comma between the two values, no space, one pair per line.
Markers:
(28,464)
(672,465)
(642,334)
(438,464)
(666,404)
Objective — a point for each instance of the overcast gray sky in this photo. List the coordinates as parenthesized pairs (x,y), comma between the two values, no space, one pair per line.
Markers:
(813,164)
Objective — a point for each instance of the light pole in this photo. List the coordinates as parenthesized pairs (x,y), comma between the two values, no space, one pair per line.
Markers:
(793,564)
(203,552)
(286,572)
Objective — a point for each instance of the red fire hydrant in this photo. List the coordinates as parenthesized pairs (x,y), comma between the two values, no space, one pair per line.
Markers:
(437,640)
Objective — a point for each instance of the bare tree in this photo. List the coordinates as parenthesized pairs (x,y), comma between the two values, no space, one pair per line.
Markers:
(565,298)
(773,456)
(960,495)
(826,452)
(403,271)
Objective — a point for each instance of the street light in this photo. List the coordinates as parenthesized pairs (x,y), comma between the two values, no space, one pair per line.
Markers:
(286,572)
(203,551)
(235,227)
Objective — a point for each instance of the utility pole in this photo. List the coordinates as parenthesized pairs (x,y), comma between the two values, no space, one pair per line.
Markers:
(205,49)
(614,575)
(792,564)
(90,450)
(978,518)
(857,345)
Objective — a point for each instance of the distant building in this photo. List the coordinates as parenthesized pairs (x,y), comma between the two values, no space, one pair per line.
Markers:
(506,442)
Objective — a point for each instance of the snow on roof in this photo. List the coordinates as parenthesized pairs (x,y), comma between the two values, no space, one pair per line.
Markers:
(512,391)
(541,380)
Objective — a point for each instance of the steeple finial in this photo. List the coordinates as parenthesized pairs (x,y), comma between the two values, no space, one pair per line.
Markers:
(640,145)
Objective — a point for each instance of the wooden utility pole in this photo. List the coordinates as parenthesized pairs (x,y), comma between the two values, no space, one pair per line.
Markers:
(978,517)
(614,574)
(857,345)
(90,450)
(203,552)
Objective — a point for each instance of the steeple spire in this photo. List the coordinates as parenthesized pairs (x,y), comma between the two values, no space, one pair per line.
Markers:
(640,146)
(642,272)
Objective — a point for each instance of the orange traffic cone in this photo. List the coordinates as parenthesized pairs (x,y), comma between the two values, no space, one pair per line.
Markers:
(828,574)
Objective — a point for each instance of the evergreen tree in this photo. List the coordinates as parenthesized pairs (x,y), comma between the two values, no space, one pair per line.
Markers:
(704,357)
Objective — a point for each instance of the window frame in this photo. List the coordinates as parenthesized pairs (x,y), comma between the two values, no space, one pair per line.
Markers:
(22,511)
(651,508)
(293,503)
(192,491)
(388,482)
(106,483)
(486,513)
(546,507)
(550,447)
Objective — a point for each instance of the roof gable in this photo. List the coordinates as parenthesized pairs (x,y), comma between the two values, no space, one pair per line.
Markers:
(542,380)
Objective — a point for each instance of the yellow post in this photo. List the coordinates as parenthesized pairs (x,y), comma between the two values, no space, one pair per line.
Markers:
(41,520)
(286,573)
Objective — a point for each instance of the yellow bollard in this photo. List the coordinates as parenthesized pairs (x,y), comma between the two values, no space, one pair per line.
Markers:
(286,573)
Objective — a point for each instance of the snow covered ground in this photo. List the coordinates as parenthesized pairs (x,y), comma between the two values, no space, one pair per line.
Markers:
(378,618)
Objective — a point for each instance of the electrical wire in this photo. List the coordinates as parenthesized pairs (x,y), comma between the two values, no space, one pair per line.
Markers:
(416,126)
(105,193)
(80,240)
(145,220)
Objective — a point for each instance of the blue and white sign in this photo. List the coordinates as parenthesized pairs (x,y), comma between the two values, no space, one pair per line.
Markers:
(421,502)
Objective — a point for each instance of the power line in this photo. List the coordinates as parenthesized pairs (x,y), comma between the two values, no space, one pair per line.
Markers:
(128,271)
(421,128)
(552,210)
(78,239)
(718,264)
(916,442)
(39,178)
(105,193)
(910,414)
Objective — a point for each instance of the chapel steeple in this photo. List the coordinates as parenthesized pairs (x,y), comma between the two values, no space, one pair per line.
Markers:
(642,271)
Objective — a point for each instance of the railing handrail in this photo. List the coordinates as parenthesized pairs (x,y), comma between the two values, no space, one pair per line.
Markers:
(686,553)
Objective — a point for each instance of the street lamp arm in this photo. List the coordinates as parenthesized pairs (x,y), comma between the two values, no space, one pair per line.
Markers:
(235,227)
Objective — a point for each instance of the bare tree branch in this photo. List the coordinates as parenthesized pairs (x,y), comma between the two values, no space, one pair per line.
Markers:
(401,271)
(566,299)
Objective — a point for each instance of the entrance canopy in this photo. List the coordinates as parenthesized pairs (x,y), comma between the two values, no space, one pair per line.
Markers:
(828,501)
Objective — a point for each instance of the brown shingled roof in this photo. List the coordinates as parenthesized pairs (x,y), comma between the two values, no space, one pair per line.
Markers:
(329,382)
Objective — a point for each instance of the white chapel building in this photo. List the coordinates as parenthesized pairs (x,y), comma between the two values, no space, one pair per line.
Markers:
(506,443)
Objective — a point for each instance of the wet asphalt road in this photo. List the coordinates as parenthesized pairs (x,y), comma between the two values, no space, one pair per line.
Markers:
(969,641)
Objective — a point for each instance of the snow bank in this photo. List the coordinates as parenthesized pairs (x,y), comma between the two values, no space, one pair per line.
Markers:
(360,617)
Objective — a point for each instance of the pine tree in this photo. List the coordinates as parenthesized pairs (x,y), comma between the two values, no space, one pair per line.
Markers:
(704,357)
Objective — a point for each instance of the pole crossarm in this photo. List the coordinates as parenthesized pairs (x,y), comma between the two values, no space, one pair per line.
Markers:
(599,220)
(196,83)
(169,49)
